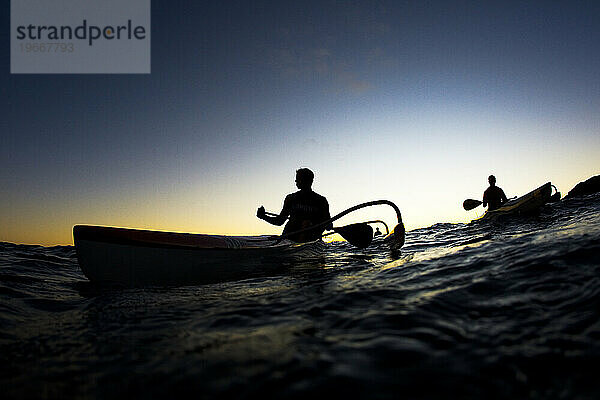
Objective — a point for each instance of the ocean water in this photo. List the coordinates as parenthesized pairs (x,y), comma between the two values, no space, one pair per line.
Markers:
(509,310)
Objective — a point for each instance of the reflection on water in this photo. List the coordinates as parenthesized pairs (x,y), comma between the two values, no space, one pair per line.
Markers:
(463,311)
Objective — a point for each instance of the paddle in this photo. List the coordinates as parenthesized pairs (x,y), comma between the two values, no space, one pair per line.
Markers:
(470,204)
(359,235)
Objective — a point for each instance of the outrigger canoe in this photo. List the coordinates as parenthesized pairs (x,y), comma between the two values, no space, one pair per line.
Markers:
(524,205)
(132,257)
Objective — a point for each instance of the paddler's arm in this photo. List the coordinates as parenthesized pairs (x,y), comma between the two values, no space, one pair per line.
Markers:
(275,220)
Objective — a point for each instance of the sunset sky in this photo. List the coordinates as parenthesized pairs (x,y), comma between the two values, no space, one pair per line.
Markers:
(416,102)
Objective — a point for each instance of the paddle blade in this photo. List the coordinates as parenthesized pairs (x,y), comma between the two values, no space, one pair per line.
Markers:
(359,235)
(470,204)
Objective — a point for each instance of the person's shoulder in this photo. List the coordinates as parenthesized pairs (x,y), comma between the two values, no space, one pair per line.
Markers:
(291,197)
(320,197)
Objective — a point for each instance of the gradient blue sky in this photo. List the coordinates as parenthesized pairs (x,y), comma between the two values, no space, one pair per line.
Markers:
(416,102)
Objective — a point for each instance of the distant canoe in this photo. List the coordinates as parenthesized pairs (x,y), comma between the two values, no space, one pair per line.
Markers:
(524,205)
(132,257)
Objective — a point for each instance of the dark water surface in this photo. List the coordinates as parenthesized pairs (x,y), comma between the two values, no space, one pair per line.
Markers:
(504,311)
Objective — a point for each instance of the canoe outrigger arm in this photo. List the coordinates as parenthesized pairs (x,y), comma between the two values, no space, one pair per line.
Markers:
(395,239)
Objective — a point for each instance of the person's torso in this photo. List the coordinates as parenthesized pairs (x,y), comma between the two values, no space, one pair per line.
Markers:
(494,197)
(307,206)
(306,209)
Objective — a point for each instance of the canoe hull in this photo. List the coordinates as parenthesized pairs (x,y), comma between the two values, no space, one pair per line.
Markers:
(130,257)
(524,205)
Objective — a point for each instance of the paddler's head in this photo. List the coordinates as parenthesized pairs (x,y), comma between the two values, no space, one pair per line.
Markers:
(304,178)
(492,180)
